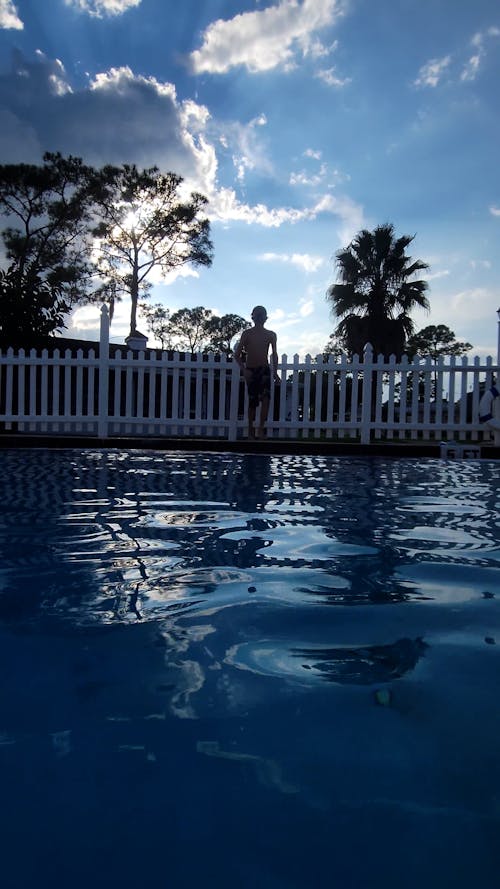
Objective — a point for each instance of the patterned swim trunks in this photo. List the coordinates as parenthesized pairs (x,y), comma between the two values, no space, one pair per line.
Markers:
(259,384)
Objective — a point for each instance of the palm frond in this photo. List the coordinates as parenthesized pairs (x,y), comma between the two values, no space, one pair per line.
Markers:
(374,282)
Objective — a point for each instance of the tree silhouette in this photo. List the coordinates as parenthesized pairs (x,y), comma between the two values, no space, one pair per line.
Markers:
(188,328)
(435,340)
(145,224)
(30,310)
(47,245)
(376,291)
(158,322)
(221,332)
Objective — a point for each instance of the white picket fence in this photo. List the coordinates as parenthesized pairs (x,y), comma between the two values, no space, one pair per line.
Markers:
(141,394)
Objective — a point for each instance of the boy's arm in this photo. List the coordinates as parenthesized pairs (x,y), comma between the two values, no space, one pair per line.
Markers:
(238,351)
(274,358)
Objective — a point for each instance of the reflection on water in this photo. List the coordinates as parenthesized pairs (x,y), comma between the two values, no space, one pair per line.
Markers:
(249,551)
(102,537)
(236,614)
(373,663)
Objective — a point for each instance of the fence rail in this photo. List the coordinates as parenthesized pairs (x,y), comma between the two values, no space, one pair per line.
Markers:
(141,394)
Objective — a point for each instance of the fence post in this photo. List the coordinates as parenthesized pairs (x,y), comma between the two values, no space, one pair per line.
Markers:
(102,423)
(366,394)
(234,399)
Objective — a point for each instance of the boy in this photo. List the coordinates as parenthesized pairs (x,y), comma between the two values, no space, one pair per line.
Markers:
(255,344)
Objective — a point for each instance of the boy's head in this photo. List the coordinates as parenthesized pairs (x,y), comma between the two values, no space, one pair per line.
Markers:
(259,315)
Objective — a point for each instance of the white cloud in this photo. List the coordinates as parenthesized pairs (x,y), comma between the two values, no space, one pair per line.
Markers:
(306,308)
(431,73)
(248,151)
(469,312)
(331,78)
(309,342)
(277,315)
(473,64)
(471,68)
(303,178)
(350,214)
(86,318)
(495,211)
(333,177)
(265,39)
(434,276)
(101,8)
(480,264)
(225,206)
(57,78)
(309,152)
(118,80)
(304,261)
(9,18)
(476,304)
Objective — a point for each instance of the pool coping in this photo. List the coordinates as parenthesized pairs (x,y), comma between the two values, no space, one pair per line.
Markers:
(264,446)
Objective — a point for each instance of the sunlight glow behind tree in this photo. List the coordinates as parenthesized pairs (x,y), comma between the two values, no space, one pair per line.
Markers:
(145,224)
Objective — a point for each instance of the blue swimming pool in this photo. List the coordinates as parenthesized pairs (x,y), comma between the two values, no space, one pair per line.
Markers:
(248,671)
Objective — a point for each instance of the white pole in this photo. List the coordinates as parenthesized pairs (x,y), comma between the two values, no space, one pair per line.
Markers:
(498,340)
(496,433)
(102,422)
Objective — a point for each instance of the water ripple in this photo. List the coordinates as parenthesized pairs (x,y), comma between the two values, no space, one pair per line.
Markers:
(104,536)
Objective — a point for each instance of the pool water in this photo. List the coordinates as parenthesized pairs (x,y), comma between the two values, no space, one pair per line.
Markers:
(250,671)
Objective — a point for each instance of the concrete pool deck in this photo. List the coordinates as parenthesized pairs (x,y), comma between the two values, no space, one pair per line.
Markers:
(432,450)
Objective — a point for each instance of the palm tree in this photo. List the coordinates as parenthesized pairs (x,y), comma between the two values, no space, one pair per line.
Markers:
(376,291)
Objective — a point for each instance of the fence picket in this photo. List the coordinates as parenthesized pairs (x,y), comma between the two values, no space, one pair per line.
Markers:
(415,383)
(330,394)
(222,392)
(9,386)
(209,393)
(198,393)
(379,396)
(186,407)
(451,391)
(320,375)
(391,396)
(343,394)
(56,371)
(283,413)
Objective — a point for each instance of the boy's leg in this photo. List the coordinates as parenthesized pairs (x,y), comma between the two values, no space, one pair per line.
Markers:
(265,398)
(252,381)
(251,421)
(264,410)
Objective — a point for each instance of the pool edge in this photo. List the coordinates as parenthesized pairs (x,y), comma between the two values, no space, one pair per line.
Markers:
(266,446)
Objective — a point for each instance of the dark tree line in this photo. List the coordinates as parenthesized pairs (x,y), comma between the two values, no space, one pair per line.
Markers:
(193,330)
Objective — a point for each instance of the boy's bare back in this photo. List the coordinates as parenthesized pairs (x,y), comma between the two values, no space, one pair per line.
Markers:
(256,343)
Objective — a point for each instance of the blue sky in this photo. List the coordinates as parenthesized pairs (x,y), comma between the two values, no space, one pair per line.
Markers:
(302,121)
